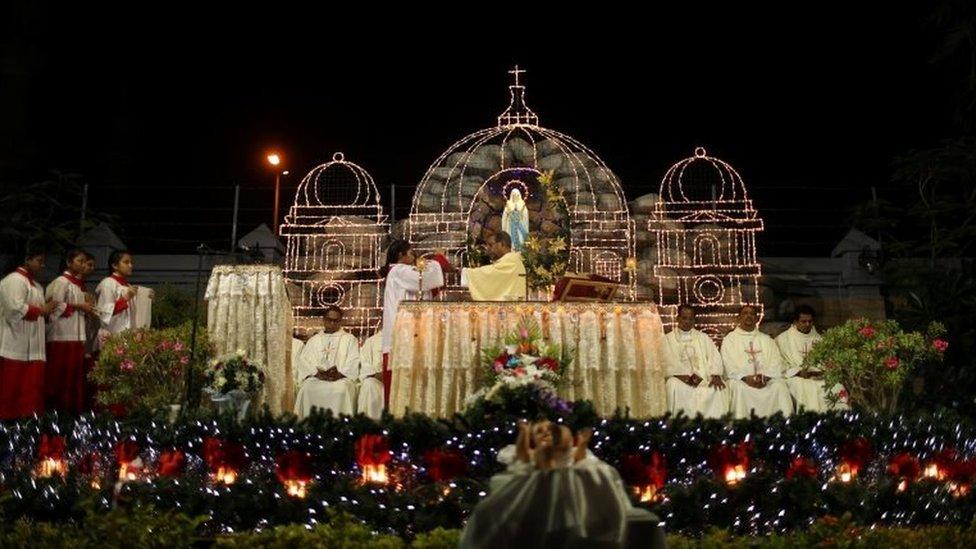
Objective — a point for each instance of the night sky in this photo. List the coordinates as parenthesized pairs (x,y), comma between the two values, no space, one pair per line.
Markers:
(161,113)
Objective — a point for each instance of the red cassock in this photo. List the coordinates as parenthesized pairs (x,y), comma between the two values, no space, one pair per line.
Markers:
(65,389)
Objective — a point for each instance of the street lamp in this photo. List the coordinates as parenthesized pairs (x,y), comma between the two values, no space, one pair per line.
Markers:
(275,160)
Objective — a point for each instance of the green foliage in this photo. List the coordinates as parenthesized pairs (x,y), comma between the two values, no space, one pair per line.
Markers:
(546,254)
(340,530)
(173,307)
(872,360)
(146,368)
(141,526)
(438,538)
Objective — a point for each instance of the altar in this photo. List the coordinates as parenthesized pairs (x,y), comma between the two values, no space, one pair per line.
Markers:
(437,352)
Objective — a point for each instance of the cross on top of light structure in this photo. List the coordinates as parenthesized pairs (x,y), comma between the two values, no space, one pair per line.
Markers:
(517,113)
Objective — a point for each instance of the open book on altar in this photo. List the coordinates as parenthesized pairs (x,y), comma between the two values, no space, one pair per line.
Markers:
(582,287)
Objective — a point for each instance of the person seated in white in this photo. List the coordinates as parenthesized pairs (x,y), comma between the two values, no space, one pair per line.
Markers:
(805,382)
(694,370)
(328,367)
(754,369)
(371,377)
(504,279)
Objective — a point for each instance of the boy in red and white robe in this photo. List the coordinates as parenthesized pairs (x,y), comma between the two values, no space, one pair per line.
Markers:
(113,295)
(22,311)
(66,337)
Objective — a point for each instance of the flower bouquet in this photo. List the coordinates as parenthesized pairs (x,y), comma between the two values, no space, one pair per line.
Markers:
(232,381)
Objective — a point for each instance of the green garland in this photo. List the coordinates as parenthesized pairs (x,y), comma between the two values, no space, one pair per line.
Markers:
(694,499)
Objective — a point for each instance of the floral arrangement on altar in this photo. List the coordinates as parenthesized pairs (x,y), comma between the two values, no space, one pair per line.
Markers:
(872,360)
(546,253)
(234,372)
(232,380)
(145,368)
(526,359)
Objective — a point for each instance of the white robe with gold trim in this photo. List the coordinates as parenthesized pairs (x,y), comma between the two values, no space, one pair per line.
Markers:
(320,353)
(810,394)
(749,353)
(687,353)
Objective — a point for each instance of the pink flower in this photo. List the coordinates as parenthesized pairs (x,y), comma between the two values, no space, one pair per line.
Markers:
(166,344)
(523,333)
(843,395)
(520,371)
(178,346)
(891,363)
(498,367)
(184,360)
(119,351)
(127,365)
(866,331)
(940,345)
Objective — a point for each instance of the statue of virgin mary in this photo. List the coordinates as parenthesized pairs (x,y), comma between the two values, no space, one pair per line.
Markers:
(515,219)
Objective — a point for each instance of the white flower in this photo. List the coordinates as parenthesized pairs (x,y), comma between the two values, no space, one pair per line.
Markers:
(241,353)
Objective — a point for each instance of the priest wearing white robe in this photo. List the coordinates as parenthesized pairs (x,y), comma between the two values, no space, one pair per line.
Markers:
(22,349)
(504,279)
(755,370)
(805,381)
(694,370)
(371,377)
(328,367)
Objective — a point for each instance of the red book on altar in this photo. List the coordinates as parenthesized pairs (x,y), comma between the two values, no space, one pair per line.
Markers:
(585,288)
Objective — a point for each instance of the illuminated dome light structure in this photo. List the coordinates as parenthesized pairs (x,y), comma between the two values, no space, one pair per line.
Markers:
(706,229)
(334,235)
(464,190)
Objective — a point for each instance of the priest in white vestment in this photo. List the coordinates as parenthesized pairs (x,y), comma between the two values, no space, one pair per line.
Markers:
(328,368)
(694,369)
(755,370)
(371,377)
(22,349)
(805,382)
(503,280)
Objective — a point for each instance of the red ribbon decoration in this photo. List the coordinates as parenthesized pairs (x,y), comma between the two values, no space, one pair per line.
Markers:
(905,465)
(642,471)
(126,451)
(219,453)
(51,447)
(372,450)
(728,456)
(444,465)
(802,467)
(171,463)
(855,453)
(294,465)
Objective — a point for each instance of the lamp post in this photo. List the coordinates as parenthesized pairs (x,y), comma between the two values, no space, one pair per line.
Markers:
(274,160)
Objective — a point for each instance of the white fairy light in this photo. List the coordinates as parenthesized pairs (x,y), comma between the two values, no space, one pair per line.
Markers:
(706,228)
(334,234)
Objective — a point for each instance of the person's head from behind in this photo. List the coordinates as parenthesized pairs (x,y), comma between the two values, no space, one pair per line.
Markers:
(499,244)
(541,434)
(686,317)
(332,319)
(120,262)
(75,261)
(803,318)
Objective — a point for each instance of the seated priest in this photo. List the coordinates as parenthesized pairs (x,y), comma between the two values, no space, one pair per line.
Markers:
(694,370)
(371,376)
(805,381)
(504,279)
(754,369)
(328,368)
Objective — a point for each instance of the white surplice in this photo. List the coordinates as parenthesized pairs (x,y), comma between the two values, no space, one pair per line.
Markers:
(66,323)
(403,282)
(810,394)
(113,308)
(749,353)
(22,326)
(370,388)
(322,352)
(687,353)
